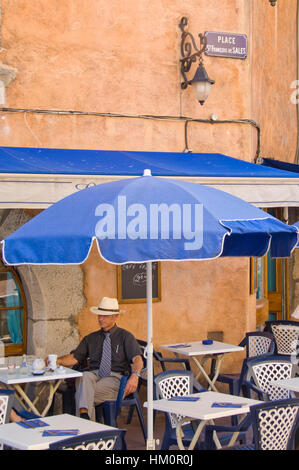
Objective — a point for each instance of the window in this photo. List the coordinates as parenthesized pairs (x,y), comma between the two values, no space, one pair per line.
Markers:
(13,321)
(269,279)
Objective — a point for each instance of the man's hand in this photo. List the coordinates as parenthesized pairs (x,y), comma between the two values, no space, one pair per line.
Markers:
(131,385)
(67,361)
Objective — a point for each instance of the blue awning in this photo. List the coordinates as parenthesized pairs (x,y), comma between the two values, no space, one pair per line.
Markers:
(130,163)
(279,165)
(38,177)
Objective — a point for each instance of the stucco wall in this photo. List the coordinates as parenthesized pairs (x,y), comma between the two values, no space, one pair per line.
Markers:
(274,69)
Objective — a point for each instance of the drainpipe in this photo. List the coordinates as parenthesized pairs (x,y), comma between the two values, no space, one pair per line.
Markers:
(284,274)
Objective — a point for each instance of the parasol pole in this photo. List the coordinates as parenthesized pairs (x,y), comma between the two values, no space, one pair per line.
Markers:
(150,443)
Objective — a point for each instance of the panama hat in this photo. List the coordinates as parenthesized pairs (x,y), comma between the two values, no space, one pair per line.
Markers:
(107,306)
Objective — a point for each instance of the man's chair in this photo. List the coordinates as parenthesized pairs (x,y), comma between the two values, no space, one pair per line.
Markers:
(103,440)
(286,334)
(256,343)
(109,409)
(274,426)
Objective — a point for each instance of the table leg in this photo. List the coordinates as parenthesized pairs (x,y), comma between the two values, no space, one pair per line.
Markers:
(180,433)
(23,398)
(200,366)
(219,358)
(52,390)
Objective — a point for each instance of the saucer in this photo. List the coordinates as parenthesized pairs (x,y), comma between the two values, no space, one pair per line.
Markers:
(38,372)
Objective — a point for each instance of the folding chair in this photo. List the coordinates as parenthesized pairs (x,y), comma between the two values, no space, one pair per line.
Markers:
(103,440)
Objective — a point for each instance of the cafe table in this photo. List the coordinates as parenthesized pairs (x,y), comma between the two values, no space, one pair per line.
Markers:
(18,437)
(51,380)
(289,384)
(200,352)
(204,409)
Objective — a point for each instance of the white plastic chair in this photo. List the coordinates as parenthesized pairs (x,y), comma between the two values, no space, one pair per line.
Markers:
(286,335)
(262,371)
(6,401)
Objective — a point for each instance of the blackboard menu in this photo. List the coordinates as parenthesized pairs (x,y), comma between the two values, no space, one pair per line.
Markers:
(131,282)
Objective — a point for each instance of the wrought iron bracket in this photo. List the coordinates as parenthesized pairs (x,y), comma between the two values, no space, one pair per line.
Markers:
(189,51)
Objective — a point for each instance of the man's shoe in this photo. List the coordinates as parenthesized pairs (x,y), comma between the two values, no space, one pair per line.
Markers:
(84,416)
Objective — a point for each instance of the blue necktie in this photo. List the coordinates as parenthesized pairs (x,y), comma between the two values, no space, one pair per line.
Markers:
(105,365)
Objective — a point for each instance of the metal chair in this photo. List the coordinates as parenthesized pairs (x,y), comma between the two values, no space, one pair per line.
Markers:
(274,426)
(262,371)
(168,384)
(256,343)
(286,334)
(103,440)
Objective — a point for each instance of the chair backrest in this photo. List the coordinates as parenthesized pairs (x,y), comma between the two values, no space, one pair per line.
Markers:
(258,343)
(274,424)
(261,371)
(143,346)
(102,440)
(6,400)
(173,383)
(286,334)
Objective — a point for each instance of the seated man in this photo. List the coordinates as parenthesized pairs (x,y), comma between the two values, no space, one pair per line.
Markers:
(112,352)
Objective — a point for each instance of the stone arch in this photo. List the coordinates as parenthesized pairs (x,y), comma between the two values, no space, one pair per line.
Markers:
(54,296)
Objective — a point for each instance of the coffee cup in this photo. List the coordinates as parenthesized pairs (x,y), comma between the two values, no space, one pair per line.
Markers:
(52,361)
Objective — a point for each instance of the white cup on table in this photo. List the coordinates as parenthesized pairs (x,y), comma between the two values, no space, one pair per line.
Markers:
(52,361)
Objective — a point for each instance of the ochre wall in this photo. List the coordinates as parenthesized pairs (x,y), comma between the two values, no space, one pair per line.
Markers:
(274,70)
(123,57)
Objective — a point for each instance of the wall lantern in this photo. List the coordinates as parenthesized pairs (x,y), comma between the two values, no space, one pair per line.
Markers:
(201,83)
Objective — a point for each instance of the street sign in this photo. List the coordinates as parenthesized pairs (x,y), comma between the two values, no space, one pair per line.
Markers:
(229,45)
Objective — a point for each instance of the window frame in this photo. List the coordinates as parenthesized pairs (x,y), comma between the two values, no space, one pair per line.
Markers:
(12,349)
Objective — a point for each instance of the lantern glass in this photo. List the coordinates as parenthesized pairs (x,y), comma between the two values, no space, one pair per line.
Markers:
(201,90)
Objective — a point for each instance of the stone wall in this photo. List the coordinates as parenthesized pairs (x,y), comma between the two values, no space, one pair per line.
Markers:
(54,296)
